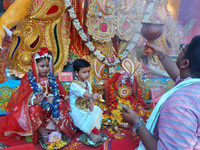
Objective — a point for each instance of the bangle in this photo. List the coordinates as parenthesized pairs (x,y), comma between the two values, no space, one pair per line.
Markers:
(136,126)
(163,57)
(32,101)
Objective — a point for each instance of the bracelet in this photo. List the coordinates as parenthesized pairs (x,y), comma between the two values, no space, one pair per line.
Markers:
(163,56)
(32,101)
(136,126)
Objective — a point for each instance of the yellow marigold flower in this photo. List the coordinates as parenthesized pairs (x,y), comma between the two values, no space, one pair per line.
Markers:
(128,103)
(119,107)
(57,144)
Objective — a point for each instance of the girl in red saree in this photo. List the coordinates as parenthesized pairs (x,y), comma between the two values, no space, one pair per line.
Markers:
(40,105)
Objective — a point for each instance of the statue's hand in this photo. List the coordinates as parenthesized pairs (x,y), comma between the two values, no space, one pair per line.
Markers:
(13,15)
(2,35)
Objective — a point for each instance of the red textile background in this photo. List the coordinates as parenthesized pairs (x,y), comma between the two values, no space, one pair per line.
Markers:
(77,46)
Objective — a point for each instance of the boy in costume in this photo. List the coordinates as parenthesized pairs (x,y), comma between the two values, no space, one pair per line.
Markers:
(86,116)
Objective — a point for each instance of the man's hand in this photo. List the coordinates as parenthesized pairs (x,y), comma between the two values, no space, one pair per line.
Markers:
(156,50)
(130,116)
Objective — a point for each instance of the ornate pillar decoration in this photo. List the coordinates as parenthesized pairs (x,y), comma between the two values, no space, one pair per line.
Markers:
(46,24)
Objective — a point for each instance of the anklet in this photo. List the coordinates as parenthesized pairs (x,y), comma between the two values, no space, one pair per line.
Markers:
(44,136)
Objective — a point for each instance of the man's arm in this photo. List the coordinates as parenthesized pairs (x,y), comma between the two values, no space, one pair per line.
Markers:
(149,141)
(169,65)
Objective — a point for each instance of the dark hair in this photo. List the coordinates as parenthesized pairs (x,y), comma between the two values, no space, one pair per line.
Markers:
(193,54)
(42,58)
(80,63)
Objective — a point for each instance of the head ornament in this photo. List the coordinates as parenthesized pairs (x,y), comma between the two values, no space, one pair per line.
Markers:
(44,52)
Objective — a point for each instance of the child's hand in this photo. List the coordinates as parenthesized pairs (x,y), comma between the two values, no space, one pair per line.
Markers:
(68,106)
(39,98)
(66,98)
(96,96)
(91,105)
(50,99)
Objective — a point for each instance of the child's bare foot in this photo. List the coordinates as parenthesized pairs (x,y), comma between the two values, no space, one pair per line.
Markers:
(95,138)
(45,139)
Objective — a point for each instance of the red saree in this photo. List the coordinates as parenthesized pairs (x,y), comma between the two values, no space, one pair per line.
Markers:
(24,119)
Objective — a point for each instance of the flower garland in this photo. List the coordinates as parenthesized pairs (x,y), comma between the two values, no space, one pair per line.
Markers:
(92,48)
(54,107)
(133,100)
(112,87)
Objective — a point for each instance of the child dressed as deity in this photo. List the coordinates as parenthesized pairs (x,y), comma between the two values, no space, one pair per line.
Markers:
(85,115)
(39,106)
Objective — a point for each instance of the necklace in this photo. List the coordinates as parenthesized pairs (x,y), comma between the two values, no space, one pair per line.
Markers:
(54,107)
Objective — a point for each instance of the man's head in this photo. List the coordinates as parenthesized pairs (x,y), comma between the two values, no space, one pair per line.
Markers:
(189,59)
(193,54)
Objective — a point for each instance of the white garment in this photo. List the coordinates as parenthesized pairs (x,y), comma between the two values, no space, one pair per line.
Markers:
(85,121)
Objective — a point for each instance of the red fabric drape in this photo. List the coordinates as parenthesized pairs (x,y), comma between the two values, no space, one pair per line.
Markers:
(77,46)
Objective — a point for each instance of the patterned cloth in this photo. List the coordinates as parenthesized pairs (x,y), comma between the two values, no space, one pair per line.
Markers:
(178,125)
(175,120)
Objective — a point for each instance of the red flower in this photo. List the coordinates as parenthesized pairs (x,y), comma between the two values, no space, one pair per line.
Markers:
(44,50)
(95,131)
(112,96)
(115,87)
(111,92)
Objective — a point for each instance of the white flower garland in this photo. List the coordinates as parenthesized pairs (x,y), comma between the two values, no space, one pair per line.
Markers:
(92,48)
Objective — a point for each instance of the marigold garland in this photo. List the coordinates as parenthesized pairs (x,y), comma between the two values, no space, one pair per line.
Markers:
(134,100)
